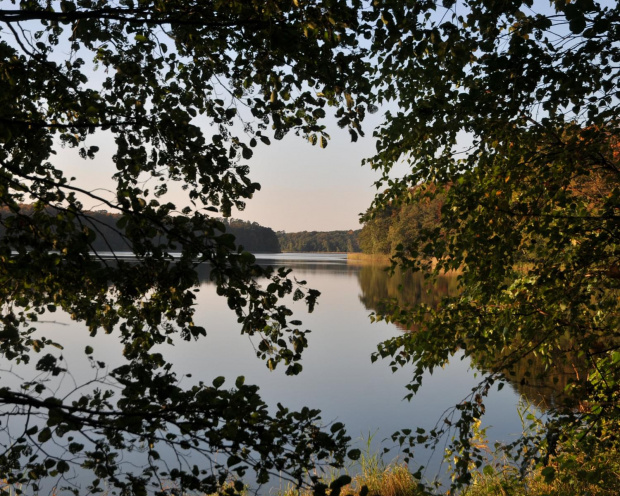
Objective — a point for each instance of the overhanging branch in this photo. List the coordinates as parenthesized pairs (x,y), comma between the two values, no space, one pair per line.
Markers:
(189,17)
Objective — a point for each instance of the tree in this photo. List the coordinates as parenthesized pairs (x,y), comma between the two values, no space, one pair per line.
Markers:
(319,241)
(388,229)
(185,90)
(515,106)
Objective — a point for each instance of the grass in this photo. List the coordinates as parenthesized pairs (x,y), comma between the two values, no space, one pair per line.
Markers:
(379,479)
(587,477)
(598,476)
(571,473)
(590,479)
(367,258)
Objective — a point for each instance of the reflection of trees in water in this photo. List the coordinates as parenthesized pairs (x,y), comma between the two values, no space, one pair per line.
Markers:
(544,387)
(527,375)
(407,288)
(560,383)
(301,270)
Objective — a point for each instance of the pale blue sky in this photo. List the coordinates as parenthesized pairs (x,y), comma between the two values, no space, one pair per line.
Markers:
(304,187)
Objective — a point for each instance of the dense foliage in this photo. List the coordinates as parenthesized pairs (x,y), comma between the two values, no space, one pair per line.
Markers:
(322,241)
(252,236)
(179,92)
(400,224)
(515,106)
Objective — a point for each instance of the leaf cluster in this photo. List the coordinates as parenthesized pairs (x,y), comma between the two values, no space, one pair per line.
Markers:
(510,111)
(180,92)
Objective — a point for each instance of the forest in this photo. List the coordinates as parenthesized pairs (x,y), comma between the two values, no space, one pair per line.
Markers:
(322,241)
(101,229)
(400,224)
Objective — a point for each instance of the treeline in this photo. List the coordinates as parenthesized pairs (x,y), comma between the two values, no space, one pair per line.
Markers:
(109,237)
(252,236)
(316,241)
(400,225)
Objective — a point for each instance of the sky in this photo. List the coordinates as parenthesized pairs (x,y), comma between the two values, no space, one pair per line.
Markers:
(307,188)
(303,187)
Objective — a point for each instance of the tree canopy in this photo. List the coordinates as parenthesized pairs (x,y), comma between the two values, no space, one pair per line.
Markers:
(183,91)
(400,223)
(322,241)
(510,111)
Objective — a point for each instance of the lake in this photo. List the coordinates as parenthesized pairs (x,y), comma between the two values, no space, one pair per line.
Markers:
(338,377)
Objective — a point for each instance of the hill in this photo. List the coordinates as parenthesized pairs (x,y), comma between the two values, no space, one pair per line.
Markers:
(109,235)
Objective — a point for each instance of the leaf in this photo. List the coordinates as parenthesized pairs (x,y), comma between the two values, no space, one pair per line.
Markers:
(488,470)
(577,24)
(340,482)
(62,466)
(44,435)
(338,426)
(548,473)
(246,153)
(354,454)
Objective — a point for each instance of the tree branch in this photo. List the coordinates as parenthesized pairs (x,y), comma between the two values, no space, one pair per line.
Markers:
(188,17)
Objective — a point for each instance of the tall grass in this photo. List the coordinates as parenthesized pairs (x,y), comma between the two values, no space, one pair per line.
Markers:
(574,474)
(373,477)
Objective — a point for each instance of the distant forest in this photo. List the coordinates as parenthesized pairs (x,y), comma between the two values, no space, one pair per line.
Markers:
(316,241)
(252,236)
(400,225)
(110,237)
(379,235)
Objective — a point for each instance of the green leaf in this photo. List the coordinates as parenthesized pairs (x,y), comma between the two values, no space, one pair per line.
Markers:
(548,473)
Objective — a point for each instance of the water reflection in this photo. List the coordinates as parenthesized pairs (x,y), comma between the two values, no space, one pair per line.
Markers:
(338,377)
(529,376)
(407,288)
(546,387)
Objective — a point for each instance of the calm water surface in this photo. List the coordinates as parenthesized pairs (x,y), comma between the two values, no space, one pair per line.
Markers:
(338,376)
